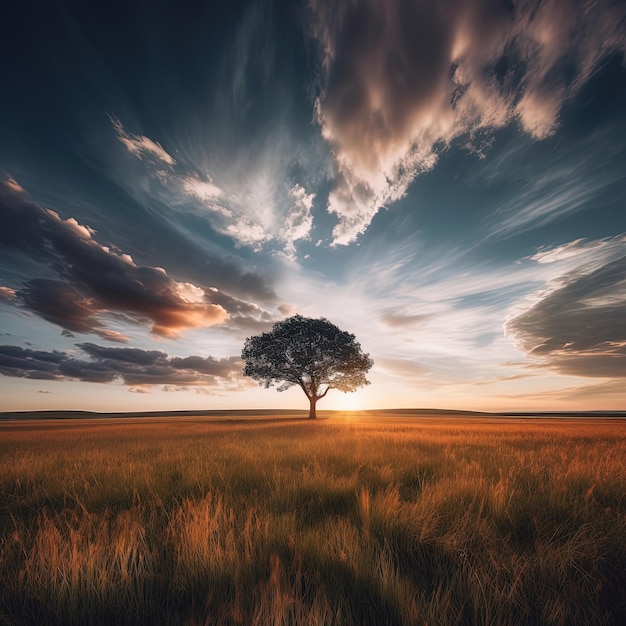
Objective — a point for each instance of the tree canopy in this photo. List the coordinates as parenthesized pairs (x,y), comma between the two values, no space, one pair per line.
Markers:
(311,353)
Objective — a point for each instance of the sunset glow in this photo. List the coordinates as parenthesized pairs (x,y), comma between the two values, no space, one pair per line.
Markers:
(448,186)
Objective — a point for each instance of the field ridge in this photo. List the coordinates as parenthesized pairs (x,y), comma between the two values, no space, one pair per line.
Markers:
(260,413)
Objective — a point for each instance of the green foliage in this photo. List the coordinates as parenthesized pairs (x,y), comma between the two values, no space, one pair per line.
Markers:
(311,353)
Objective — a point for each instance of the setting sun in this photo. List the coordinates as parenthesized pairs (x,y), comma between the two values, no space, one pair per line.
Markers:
(345,402)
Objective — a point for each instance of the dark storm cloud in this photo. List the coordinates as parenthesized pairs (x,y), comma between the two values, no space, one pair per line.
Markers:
(27,363)
(403,78)
(134,366)
(94,279)
(579,328)
(63,305)
(134,356)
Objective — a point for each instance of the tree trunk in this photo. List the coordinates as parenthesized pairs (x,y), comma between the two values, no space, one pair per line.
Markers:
(312,413)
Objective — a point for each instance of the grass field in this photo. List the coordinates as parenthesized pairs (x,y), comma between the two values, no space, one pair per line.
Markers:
(360,520)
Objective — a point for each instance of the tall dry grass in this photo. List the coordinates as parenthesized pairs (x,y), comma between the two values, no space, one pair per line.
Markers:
(344,521)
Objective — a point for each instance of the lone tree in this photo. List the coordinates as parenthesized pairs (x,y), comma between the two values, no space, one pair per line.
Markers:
(311,353)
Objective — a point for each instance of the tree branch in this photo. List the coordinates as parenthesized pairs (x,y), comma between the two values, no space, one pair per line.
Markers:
(304,389)
(325,392)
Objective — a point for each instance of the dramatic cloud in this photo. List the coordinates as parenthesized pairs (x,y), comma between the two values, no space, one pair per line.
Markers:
(135,367)
(63,305)
(93,279)
(402,79)
(245,316)
(577,327)
(27,363)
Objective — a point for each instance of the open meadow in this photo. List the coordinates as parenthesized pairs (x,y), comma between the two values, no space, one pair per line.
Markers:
(356,519)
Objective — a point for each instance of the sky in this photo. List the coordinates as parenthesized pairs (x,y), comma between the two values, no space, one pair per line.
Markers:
(445,180)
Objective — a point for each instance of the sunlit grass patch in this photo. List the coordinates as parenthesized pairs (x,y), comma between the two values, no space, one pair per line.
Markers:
(362,521)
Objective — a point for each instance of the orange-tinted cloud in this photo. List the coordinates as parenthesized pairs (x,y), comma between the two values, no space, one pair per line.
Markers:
(93,279)
(6,293)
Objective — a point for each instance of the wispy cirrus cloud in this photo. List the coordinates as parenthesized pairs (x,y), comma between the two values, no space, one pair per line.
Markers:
(605,395)
(402,320)
(299,220)
(404,368)
(558,186)
(251,201)
(579,248)
(142,146)
(454,319)
(92,279)
(206,192)
(135,367)
(402,80)
(241,166)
